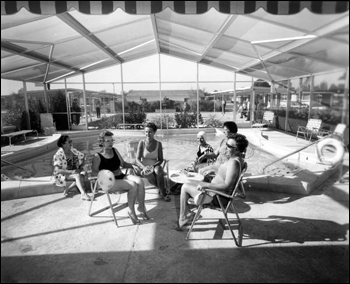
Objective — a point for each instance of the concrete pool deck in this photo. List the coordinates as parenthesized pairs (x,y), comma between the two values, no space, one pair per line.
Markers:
(287,238)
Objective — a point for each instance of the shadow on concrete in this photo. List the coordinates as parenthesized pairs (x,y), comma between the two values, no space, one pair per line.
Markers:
(286,229)
(273,230)
(325,188)
(306,264)
(20,202)
(12,239)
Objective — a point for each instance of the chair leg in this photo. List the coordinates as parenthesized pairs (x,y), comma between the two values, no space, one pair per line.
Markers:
(310,137)
(94,190)
(166,179)
(67,189)
(224,211)
(240,226)
(111,206)
(196,217)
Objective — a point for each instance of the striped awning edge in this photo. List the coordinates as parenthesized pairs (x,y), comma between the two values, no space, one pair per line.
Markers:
(181,7)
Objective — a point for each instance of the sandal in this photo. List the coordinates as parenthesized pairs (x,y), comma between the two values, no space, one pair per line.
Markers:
(240,194)
(85,197)
(166,198)
(66,191)
(144,216)
(182,224)
(134,220)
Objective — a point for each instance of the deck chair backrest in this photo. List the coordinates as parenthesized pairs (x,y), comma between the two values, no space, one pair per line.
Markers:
(244,169)
(339,129)
(131,148)
(268,116)
(88,164)
(314,124)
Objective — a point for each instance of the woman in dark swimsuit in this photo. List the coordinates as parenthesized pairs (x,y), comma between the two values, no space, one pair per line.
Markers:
(110,159)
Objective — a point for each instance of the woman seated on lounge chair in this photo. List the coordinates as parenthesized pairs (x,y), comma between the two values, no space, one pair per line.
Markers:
(67,164)
(203,149)
(220,154)
(227,176)
(110,159)
(149,158)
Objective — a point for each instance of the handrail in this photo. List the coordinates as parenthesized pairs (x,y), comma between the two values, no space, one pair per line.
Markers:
(296,151)
(12,164)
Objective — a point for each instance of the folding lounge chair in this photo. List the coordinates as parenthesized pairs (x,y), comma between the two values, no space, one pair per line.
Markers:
(224,209)
(266,121)
(312,127)
(132,151)
(96,192)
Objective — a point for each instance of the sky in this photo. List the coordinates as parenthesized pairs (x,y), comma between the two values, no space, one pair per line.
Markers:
(145,70)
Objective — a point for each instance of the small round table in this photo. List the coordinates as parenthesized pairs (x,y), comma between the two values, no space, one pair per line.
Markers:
(178,177)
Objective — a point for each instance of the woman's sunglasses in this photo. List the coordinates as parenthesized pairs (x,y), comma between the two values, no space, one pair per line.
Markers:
(231,147)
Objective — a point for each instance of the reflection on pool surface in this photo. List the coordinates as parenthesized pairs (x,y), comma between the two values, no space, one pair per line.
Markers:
(180,150)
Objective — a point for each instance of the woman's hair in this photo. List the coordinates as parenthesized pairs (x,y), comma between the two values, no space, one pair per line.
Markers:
(62,140)
(241,142)
(232,126)
(101,137)
(201,134)
(151,125)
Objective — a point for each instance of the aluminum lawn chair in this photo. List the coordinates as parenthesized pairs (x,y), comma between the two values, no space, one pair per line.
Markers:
(266,121)
(221,197)
(312,127)
(97,192)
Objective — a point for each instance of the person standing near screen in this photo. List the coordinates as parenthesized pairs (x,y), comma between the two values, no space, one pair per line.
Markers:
(98,109)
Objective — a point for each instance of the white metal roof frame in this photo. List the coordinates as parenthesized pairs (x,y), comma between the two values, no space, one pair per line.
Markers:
(46,45)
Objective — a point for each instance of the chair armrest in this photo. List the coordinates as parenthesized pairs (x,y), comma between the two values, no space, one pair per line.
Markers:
(323,132)
(164,163)
(217,192)
(92,178)
(302,128)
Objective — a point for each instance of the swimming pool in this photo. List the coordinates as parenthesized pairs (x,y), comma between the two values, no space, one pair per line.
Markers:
(180,150)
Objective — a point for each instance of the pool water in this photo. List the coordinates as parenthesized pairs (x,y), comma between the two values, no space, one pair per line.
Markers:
(179,150)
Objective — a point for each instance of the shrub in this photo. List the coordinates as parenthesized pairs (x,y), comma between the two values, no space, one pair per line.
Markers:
(157,121)
(135,117)
(187,119)
(58,102)
(13,117)
(206,105)
(107,122)
(35,122)
(214,122)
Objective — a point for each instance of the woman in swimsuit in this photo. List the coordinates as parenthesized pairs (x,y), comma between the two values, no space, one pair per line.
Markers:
(149,158)
(225,179)
(110,159)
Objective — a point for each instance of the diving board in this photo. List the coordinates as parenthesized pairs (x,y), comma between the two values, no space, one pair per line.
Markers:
(17,133)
